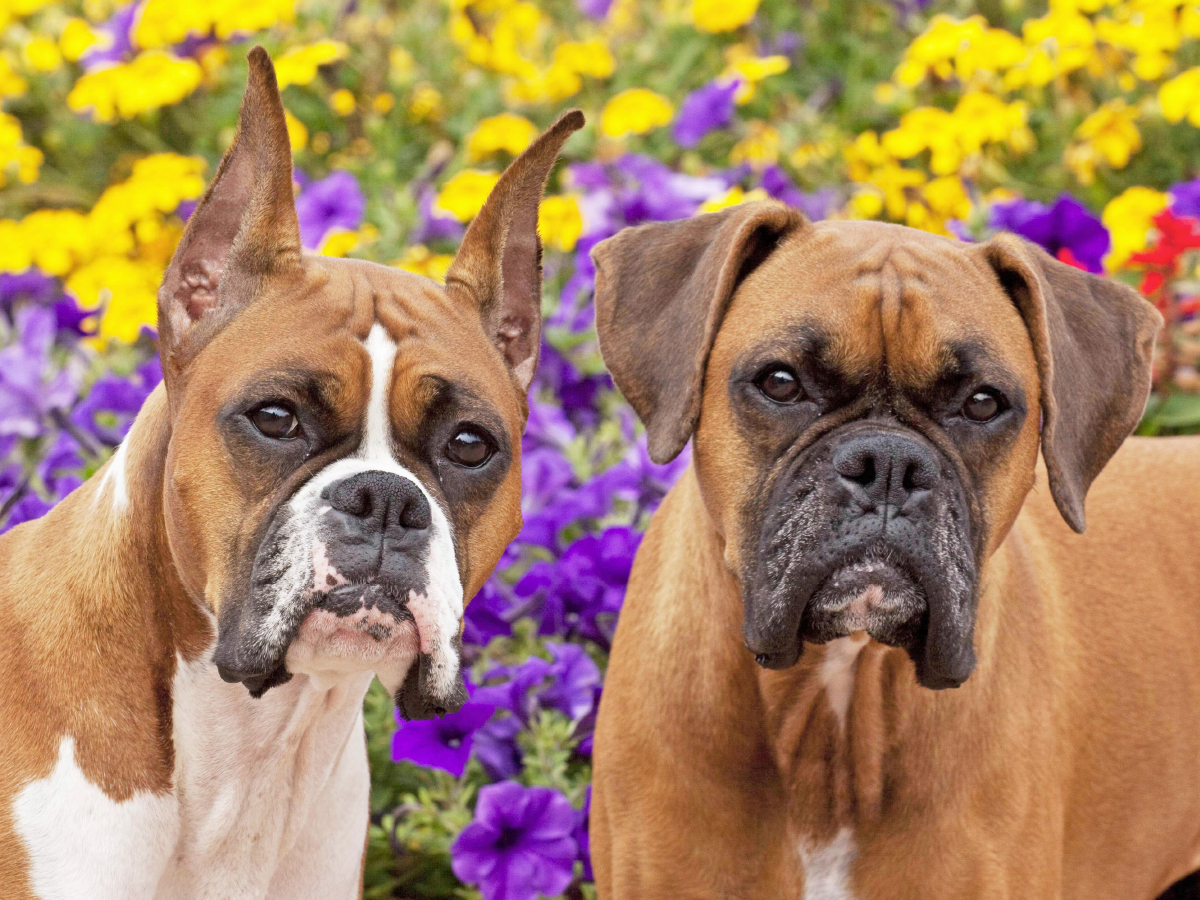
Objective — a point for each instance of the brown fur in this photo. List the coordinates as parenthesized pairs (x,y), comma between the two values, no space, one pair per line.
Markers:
(95,605)
(1068,764)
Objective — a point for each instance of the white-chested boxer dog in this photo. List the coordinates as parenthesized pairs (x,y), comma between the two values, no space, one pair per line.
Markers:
(330,468)
(867,404)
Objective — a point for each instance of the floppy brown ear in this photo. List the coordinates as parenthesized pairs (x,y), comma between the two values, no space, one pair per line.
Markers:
(661,293)
(498,267)
(244,229)
(1094,342)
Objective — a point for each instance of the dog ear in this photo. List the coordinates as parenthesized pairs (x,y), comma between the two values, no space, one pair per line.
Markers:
(661,293)
(1094,342)
(244,228)
(498,267)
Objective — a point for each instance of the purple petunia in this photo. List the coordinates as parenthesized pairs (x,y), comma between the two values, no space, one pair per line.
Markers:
(441,743)
(520,844)
(705,109)
(116,39)
(1066,229)
(32,386)
(1185,199)
(433,225)
(333,202)
(594,9)
(582,593)
(487,616)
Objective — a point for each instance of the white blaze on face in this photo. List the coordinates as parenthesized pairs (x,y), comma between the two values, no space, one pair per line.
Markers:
(437,612)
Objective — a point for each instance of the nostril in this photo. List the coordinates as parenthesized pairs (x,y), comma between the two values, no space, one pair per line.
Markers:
(353,498)
(856,467)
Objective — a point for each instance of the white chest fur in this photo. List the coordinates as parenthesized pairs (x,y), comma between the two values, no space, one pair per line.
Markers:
(827,867)
(270,803)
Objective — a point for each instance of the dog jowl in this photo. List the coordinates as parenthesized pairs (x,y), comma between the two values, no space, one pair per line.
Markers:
(863,387)
(343,467)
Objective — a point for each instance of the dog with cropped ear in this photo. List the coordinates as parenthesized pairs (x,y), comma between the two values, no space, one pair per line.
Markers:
(329,471)
(865,526)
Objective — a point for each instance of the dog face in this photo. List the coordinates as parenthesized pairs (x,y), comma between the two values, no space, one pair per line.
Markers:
(866,402)
(343,467)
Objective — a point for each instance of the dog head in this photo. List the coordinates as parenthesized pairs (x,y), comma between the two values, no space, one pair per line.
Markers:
(343,463)
(867,403)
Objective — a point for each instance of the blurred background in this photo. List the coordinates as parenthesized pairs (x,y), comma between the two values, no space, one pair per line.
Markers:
(1075,123)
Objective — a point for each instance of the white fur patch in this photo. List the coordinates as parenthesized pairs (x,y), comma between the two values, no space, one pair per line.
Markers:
(113,481)
(837,672)
(82,843)
(273,793)
(827,867)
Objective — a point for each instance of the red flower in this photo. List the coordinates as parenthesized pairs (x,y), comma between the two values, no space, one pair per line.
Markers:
(1175,236)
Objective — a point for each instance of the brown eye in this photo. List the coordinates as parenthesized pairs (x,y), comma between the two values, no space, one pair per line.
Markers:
(780,384)
(276,422)
(469,448)
(983,406)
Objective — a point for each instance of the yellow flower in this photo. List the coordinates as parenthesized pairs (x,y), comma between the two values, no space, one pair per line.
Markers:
(125,289)
(42,54)
(732,197)
(420,261)
(560,222)
(383,103)
(164,22)
(1108,134)
(299,65)
(338,242)
(749,69)
(342,102)
(1180,97)
(401,65)
(1128,218)
(465,193)
(811,152)
(11,84)
(297,133)
(11,10)
(152,80)
(866,204)
(959,47)
(722,15)
(76,39)
(425,105)
(760,148)
(506,133)
(591,58)
(15,154)
(635,111)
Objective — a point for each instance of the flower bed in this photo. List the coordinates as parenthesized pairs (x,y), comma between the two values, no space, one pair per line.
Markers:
(1076,128)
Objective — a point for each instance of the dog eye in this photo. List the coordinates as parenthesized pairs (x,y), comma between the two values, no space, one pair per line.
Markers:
(469,449)
(984,405)
(276,422)
(779,383)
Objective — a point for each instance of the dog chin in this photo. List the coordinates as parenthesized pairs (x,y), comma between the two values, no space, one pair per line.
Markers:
(871,595)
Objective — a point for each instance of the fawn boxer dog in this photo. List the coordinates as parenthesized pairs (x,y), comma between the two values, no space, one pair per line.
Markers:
(866,524)
(331,467)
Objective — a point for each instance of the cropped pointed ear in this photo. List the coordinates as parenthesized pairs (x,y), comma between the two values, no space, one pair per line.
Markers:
(498,267)
(1094,342)
(243,230)
(661,292)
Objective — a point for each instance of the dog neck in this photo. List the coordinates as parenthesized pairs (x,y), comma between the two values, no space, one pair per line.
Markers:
(237,787)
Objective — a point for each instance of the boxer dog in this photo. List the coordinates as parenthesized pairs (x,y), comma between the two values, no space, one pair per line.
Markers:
(866,524)
(329,470)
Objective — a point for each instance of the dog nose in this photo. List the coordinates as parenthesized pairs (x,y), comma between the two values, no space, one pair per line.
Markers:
(384,497)
(885,468)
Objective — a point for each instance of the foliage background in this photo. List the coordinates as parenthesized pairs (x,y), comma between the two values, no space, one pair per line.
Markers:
(1073,122)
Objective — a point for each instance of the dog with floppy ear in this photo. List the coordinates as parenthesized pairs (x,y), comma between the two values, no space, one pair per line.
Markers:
(867,650)
(329,471)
